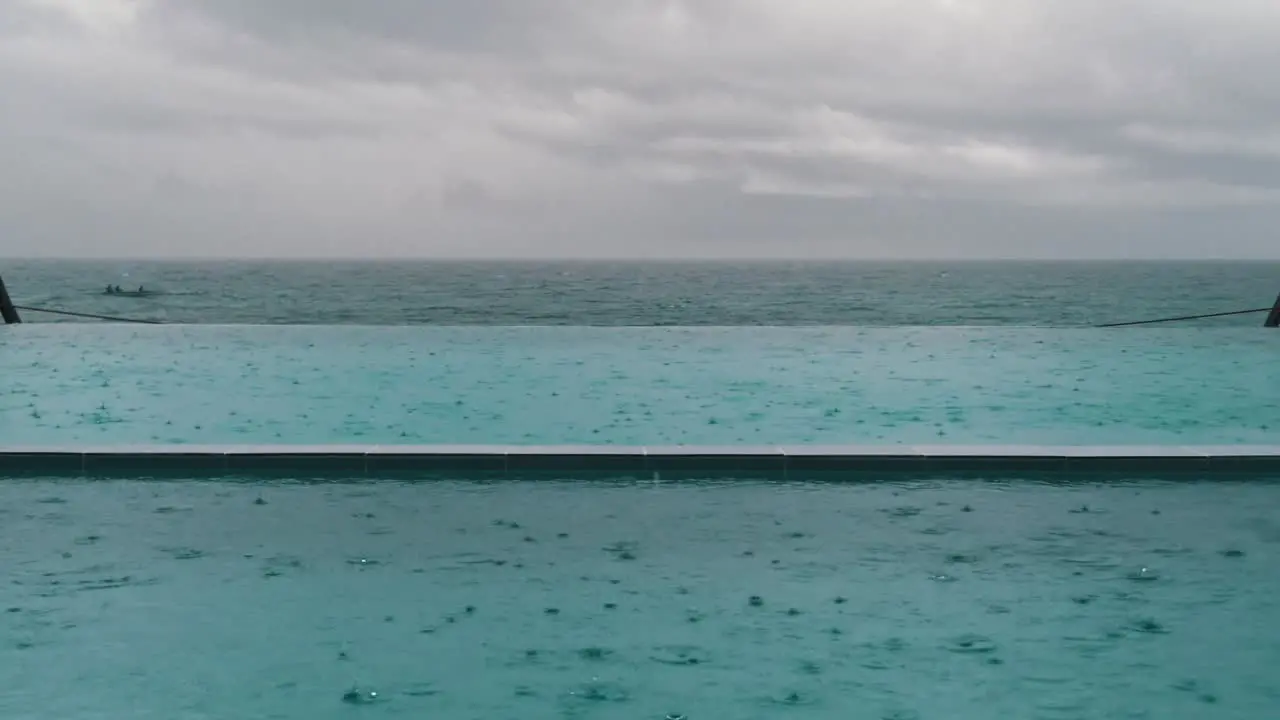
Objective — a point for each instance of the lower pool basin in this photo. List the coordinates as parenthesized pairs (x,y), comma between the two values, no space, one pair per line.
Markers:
(910,599)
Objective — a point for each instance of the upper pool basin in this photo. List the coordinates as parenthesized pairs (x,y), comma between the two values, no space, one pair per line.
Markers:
(112,384)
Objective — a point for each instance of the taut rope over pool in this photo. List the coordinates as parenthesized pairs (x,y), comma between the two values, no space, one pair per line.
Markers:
(108,318)
(1194,317)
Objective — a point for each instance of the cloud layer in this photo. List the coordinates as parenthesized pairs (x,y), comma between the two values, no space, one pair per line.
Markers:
(640,128)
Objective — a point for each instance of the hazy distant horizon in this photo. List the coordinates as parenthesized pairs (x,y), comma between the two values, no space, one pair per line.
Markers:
(177,259)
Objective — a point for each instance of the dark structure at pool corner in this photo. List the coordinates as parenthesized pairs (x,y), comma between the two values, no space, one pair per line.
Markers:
(850,462)
(8,312)
(1273,318)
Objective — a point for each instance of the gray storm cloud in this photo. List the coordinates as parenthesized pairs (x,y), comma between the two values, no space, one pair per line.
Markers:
(640,128)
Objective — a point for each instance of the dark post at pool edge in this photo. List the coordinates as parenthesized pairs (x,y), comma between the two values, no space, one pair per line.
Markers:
(7,310)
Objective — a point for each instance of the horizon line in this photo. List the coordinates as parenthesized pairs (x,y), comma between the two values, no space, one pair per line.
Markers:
(598,259)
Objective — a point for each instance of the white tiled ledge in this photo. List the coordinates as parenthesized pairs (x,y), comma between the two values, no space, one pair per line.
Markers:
(963,451)
(703,461)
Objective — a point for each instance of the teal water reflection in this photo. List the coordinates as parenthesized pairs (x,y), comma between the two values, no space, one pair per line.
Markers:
(943,600)
(637,386)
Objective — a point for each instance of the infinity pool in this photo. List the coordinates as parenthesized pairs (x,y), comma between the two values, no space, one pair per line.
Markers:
(894,600)
(732,601)
(104,385)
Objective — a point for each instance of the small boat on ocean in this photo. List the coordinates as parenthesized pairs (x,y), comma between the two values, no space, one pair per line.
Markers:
(140,292)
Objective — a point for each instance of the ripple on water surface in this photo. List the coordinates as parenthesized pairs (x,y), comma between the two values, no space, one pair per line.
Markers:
(946,600)
(636,386)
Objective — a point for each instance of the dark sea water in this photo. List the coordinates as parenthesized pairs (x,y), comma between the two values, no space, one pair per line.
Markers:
(624,294)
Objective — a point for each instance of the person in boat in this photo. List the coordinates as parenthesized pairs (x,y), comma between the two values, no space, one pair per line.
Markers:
(140,291)
(111,290)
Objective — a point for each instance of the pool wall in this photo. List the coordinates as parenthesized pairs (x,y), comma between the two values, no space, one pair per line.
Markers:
(777,462)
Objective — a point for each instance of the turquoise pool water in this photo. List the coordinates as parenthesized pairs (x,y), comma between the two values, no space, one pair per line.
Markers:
(96,385)
(904,601)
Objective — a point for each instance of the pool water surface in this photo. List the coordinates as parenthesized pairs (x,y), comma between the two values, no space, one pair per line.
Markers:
(905,600)
(113,385)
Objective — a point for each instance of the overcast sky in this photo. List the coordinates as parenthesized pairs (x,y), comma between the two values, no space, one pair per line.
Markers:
(640,128)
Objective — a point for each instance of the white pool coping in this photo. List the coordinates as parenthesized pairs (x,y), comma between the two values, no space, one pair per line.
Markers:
(646,461)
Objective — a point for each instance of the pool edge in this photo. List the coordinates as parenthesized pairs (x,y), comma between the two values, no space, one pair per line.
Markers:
(769,462)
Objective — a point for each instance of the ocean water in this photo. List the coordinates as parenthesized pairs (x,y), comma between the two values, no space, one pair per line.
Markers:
(598,293)
(118,384)
(956,600)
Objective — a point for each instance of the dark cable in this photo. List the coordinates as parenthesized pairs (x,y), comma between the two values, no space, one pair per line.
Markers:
(1186,317)
(108,318)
